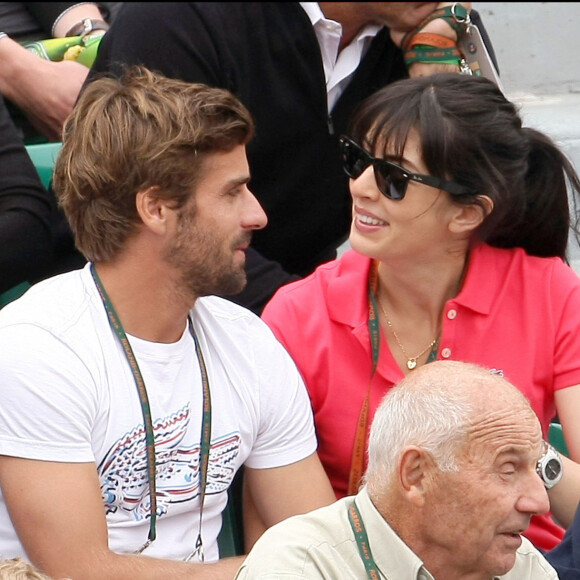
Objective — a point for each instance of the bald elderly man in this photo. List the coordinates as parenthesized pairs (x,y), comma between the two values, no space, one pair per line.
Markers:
(451,484)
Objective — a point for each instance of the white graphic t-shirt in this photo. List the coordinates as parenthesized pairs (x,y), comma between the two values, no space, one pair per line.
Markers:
(68,394)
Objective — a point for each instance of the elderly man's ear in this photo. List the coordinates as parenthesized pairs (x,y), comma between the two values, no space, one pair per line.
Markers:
(416,472)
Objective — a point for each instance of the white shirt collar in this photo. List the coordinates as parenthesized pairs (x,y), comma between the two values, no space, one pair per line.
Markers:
(338,67)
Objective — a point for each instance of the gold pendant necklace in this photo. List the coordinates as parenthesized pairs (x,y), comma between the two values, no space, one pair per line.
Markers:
(411,360)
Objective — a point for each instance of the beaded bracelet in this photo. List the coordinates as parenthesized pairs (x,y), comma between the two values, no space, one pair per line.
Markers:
(435,48)
(428,47)
(430,55)
(456,16)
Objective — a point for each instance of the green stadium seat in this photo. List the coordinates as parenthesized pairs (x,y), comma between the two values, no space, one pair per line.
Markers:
(43,156)
(556,439)
(230,539)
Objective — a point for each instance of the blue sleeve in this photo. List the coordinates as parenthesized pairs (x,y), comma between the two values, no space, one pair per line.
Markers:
(565,557)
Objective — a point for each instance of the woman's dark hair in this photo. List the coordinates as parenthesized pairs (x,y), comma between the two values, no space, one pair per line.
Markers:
(470,133)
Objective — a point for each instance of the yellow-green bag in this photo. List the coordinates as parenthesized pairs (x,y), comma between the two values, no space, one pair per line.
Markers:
(74,48)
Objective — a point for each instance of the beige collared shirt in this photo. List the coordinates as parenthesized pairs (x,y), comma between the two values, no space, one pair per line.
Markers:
(321,544)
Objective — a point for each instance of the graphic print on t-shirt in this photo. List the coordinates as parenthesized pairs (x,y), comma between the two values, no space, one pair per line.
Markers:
(123,471)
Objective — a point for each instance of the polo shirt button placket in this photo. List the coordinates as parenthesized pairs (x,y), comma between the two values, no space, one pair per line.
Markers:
(451,314)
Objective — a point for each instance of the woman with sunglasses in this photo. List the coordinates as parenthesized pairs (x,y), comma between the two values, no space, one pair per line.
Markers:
(459,235)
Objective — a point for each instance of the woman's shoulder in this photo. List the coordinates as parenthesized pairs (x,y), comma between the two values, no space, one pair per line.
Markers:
(517,263)
(343,274)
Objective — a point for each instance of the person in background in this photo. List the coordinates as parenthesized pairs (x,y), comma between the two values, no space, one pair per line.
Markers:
(26,241)
(130,395)
(450,486)
(41,93)
(300,68)
(460,224)
(36,95)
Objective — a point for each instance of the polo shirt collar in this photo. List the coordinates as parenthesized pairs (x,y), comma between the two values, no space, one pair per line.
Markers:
(480,288)
(348,290)
(348,297)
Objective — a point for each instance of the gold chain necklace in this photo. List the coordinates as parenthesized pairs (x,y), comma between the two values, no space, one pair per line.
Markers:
(411,360)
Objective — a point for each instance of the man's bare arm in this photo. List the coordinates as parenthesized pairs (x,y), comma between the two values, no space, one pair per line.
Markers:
(58,514)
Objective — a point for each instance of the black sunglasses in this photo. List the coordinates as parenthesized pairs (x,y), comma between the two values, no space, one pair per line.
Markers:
(392,179)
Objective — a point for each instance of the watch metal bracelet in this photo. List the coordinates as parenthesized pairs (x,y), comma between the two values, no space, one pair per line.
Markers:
(86,26)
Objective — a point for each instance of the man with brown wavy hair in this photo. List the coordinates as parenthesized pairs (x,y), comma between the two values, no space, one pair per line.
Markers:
(130,395)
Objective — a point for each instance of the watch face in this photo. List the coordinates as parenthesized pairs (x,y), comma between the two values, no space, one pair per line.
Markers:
(552,469)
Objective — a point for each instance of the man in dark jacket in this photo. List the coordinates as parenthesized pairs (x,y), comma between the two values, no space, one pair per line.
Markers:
(301,69)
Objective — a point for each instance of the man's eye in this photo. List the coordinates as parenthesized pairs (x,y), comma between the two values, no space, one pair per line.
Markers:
(508,469)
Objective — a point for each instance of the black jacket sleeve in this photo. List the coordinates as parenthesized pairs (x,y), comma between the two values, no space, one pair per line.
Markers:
(46,13)
(25,210)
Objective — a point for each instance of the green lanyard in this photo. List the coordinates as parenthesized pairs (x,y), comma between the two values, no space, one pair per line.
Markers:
(359,448)
(116,325)
(362,542)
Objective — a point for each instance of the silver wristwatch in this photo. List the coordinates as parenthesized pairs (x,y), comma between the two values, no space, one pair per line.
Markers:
(87,26)
(550,467)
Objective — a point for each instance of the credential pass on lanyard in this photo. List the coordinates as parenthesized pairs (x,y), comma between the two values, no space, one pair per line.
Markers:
(117,327)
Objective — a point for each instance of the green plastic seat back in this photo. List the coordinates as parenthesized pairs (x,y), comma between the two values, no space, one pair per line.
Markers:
(231,536)
(556,438)
(43,156)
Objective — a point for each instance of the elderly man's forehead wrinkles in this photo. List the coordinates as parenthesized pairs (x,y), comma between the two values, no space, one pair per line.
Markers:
(518,425)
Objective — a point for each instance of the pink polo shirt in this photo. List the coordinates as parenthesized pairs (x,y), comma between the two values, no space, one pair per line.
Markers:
(516,314)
